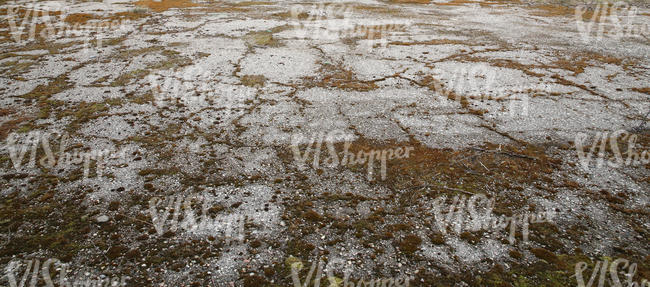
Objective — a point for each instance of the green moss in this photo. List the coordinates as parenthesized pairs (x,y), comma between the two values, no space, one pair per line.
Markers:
(125,79)
(61,235)
(261,38)
(55,86)
(146,98)
(299,248)
(24,128)
(548,256)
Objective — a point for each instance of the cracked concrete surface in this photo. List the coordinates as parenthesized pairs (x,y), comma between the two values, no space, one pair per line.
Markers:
(205,98)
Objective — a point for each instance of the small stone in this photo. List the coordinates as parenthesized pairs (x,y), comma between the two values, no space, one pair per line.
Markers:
(102,218)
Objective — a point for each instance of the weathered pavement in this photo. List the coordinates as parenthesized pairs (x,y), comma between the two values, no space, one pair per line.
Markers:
(204,99)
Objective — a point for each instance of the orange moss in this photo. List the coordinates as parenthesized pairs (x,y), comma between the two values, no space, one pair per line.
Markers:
(252,3)
(549,10)
(389,10)
(642,90)
(338,77)
(577,62)
(431,42)
(80,18)
(510,64)
(456,3)
(552,11)
(410,1)
(165,5)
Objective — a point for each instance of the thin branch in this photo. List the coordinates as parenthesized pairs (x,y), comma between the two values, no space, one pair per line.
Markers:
(505,153)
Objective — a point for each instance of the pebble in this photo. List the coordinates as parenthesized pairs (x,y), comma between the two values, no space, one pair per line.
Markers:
(102,218)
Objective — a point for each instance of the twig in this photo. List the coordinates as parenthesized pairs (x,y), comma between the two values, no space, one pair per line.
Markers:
(443,187)
(483,165)
(457,189)
(468,169)
(504,153)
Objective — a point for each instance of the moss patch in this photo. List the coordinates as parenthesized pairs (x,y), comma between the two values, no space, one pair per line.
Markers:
(253,80)
(261,38)
(161,6)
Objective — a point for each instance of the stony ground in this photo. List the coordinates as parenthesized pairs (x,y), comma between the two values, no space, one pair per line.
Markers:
(200,101)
